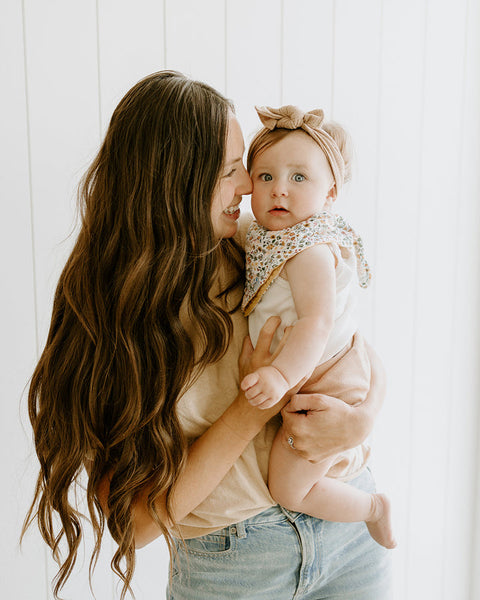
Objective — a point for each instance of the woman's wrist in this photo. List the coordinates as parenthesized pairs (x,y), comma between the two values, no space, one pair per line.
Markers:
(244,420)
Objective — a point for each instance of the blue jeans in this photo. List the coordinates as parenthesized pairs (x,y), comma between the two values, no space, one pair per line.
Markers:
(283,555)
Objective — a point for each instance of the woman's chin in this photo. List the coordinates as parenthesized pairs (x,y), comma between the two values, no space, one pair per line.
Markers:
(228,225)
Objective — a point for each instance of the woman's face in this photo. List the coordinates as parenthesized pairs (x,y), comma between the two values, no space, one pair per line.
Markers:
(234,181)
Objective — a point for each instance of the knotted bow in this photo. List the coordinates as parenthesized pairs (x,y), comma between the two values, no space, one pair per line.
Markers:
(289,117)
(292,117)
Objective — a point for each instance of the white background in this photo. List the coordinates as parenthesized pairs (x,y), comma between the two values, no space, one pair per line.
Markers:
(404,77)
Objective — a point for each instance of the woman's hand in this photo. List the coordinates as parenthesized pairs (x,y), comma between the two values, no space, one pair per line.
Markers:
(252,359)
(322,426)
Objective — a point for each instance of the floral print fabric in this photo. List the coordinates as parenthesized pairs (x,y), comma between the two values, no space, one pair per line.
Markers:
(267,251)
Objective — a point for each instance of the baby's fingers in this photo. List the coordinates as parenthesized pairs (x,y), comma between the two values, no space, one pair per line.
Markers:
(249,380)
(254,391)
(263,401)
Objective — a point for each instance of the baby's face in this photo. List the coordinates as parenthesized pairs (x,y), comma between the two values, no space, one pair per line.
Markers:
(292,180)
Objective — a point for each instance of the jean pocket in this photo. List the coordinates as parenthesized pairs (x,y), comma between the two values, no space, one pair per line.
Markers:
(218,543)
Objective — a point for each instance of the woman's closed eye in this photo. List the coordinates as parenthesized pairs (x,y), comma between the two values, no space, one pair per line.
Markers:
(230,173)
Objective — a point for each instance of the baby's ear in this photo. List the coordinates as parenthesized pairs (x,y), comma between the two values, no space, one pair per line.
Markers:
(331,197)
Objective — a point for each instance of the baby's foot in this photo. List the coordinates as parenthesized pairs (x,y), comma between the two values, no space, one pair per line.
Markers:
(380,525)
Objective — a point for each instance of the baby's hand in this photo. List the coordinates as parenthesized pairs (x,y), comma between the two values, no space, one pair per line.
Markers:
(264,387)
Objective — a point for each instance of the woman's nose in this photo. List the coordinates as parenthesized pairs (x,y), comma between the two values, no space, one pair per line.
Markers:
(245,185)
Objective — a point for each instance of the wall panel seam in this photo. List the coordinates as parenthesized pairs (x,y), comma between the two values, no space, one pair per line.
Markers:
(32,233)
(99,75)
(225,47)
(474,546)
(378,165)
(165,33)
(415,291)
(334,31)
(282,50)
(30,185)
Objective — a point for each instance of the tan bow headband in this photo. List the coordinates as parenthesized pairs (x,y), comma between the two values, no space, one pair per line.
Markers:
(291,117)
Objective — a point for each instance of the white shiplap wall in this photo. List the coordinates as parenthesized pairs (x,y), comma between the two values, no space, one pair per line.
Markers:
(404,78)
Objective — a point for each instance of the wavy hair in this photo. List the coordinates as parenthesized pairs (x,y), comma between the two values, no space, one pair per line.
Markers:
(118,354)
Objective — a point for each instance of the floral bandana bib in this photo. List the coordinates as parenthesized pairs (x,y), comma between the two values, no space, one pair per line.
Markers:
(267,251)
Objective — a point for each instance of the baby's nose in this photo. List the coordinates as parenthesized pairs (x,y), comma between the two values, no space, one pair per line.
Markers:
(279,189)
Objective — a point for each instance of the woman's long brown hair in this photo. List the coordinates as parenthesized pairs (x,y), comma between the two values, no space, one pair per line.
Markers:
(118,355)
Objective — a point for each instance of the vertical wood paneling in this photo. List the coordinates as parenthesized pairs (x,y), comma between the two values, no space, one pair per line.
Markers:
(356,72)
(403,77)
(307,56)
(63,105)
(195,39)
(441,144)
(17,320)
(131,44)
(462,540)
(254,51)
(63,102)
(151,571)
(402,72)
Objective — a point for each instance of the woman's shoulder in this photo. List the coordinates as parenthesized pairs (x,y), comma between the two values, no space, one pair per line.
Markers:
(244,223)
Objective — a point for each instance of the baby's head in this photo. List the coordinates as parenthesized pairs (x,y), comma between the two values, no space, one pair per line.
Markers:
(298,164)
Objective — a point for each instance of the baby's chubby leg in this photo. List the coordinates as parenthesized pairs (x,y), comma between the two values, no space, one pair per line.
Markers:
(302,486)
(290,477)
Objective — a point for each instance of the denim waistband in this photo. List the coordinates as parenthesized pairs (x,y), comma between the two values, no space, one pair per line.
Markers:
(274,514)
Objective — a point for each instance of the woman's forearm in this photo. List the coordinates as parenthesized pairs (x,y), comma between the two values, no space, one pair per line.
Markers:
(209,459)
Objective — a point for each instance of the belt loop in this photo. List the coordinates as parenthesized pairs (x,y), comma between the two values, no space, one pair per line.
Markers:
(239,529)
(291,515)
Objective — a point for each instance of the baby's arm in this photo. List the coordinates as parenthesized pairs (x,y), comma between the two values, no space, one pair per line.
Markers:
(311,274)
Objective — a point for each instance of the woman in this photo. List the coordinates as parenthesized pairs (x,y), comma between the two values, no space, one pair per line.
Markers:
(138,381)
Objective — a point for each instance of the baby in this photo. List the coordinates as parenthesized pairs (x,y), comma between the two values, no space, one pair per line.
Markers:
(302,262)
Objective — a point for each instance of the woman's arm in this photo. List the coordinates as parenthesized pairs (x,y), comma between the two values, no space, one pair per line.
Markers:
(326,426)
(212,455)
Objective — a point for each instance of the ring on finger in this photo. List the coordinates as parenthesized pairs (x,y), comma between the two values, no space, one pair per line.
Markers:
(290,442)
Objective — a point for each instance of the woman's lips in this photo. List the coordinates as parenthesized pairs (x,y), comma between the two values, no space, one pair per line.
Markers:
(232,212)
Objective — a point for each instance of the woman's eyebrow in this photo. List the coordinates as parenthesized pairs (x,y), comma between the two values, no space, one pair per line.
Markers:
(235,160)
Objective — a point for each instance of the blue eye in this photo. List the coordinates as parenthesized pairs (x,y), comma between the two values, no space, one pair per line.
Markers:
(266,177)
(298,177)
